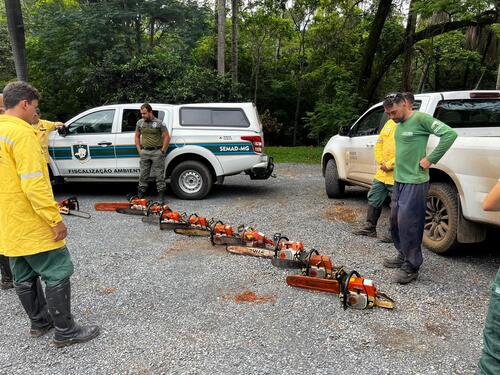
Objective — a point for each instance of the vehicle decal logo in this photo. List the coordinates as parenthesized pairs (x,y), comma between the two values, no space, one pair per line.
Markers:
(81,153)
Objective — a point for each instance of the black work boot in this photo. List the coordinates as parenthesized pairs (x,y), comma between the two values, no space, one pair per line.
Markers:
(370,227)
(405,275)
(30,294)
(386,237)
(161,197)
(6,281)
(67,331)
(395,262)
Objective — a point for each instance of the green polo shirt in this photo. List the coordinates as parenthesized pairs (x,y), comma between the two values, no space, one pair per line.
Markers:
(151,132)
(411,138)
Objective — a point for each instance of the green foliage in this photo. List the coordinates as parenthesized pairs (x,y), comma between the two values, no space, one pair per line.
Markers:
(301,154)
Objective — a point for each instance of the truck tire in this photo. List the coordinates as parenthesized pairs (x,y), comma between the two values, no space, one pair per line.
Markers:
(191,180)
(334,187)
(441,219)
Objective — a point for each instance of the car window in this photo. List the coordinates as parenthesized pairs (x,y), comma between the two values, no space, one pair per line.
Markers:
(370,123)
(131,116)
(469,113)
(96,122)
(224,117)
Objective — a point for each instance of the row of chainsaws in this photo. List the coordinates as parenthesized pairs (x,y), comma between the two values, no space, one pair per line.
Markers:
(317,272)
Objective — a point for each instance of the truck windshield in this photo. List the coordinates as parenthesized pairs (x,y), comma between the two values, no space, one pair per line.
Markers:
(482,113)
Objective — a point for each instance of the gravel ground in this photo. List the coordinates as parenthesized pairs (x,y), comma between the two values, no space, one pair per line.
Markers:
(168,303)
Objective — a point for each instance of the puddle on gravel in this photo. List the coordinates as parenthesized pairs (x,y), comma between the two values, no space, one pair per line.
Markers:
(197,244)
(250,297)
(339,212)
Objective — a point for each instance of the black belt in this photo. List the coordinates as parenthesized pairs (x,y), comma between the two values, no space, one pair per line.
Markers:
(151,148)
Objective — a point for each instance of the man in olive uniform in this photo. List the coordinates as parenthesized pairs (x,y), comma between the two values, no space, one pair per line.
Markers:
(151,140)
(32,232)
(6,274)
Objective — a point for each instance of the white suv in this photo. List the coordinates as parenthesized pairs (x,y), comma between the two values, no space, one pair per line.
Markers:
(459,182)
(208,142)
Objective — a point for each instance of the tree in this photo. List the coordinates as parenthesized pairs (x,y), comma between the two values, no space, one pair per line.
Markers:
(221,37)
(234,41)
(16,31)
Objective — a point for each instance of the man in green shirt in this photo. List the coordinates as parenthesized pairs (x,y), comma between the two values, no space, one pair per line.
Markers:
(151,140)
(411,175)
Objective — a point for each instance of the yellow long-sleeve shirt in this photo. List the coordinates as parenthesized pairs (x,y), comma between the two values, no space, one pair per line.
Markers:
(43,128)
(385,152)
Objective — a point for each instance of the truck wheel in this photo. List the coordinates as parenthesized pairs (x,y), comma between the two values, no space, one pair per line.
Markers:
(334,187)
(441,219)
(191,180)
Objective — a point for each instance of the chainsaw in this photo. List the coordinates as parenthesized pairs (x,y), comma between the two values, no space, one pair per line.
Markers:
(223,234)
(288,254)
(253,243)
(71,206)
(169,219)
(354,291)
(197,226)
(133,203)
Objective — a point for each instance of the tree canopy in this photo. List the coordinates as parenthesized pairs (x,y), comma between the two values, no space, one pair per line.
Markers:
(309,65)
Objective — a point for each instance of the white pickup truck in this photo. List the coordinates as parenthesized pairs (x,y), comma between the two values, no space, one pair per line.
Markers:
(459,181)
(208,142)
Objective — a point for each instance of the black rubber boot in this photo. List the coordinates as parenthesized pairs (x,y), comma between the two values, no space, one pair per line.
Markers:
(67,331)
(31,295)
(161,197)
(370,227)
(6,281)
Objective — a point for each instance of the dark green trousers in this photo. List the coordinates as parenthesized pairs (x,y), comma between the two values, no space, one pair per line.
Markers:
(52,266)
(378,193)
(489,364)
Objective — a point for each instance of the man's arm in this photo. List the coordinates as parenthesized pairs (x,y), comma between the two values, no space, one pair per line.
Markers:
(446,138)
(492,201)
(50,125)
(165,138)
(137,141)
(36,186)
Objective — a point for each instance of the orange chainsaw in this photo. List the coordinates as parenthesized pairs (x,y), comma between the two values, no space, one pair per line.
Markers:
(223,234)
(71,206)
(354,291)
(288,254)
(197,226)
(169,219)
(133,206)
(253,243)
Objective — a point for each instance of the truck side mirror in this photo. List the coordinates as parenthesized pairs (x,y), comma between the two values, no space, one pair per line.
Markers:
(63,131)
(344,130)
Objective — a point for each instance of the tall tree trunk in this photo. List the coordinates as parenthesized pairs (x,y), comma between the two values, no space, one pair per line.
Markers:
(138,34)
(371,45)
(15,25)
(425,72)
(408,55)
(221,37)
(498,77)
(234,42)
(299,86)
(151,33)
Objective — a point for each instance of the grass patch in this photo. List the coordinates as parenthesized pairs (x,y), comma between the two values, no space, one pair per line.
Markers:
(301,154)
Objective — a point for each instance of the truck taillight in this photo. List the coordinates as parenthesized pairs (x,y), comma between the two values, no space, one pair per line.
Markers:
(484,95)
(256,142)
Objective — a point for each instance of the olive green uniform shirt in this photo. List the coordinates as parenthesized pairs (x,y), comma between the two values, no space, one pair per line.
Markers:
(151,132)
(411,138)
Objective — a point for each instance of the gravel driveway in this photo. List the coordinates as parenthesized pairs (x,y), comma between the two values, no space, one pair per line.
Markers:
(172,304)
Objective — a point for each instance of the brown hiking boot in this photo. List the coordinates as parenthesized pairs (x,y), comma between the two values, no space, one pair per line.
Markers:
(405,275)
(395,262)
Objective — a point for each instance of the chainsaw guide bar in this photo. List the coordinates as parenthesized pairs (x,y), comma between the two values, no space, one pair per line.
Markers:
(252,251)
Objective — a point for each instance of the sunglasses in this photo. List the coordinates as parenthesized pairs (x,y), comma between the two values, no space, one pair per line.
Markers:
(390,99)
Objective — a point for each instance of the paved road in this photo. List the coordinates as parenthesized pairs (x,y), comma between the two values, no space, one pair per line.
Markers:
(176,305)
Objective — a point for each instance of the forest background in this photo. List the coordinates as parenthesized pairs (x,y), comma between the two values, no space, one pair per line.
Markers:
(310,66)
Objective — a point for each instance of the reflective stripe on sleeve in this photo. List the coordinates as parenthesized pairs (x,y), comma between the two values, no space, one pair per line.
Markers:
(5,139)
(30,175)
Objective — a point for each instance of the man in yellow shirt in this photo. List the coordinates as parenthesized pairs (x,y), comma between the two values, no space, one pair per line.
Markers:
(382,182)
(32,232)
(43,129)
(5,272)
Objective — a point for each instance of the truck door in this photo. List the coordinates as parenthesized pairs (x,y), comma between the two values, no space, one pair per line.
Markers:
(361,165)
(87,150)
